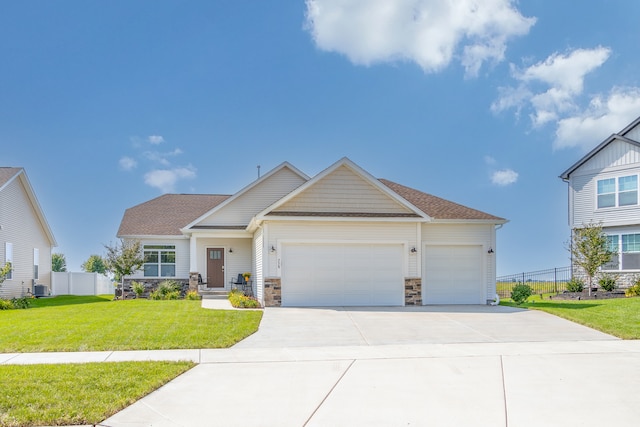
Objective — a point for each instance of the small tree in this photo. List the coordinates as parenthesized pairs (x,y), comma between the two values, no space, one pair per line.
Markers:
(95,264)
(123,259)
(4,271)
(590,249)
(58,263)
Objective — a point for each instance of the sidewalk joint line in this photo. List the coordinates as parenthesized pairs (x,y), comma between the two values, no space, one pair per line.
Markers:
(504,393)
(357,327)
(329,393)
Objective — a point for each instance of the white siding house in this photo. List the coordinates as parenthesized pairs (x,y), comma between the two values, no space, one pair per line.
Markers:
(340,238)
(603,189)
(26,240)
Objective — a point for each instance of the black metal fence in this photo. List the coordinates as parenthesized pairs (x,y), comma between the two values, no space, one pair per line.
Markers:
(552,281)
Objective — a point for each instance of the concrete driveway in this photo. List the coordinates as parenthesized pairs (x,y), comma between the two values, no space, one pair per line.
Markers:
(317,327)
(424,366)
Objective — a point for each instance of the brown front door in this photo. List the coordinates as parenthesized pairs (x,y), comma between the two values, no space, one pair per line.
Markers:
(215,267)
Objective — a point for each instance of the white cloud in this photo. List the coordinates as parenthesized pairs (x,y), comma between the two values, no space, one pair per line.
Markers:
(155,139)
(489,160)
(166,179)
(127,163)
(428,32)
(504,177)
(162,158)
(603,117)
(562,79)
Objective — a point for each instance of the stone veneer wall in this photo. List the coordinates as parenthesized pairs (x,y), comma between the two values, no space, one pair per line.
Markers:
(152,284)
(272,292)
(412,291)
(624,279)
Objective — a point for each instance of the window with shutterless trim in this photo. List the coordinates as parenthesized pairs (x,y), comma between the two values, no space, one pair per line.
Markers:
(8,258)
(159,261)
(615,192)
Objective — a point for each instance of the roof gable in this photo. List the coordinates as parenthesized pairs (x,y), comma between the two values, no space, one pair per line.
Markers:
(238,209)
(9,175)
(343,189)
(603,148)
(630,135)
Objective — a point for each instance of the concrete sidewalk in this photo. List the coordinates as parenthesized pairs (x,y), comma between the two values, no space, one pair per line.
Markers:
(586,383)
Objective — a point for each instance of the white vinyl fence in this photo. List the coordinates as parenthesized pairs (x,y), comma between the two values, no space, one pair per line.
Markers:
(68,283)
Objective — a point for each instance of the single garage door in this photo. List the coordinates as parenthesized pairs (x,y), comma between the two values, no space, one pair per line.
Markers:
(342,275)
(453,275)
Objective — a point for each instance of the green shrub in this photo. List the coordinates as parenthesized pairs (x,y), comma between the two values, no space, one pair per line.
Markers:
(575,285)
(167,289)
(5,304)
(520,293)
(240,300)
(608,283)
(192,295)
(23,302)
(138,288)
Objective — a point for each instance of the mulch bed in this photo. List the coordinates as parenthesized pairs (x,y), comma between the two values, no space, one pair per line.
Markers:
(584,295)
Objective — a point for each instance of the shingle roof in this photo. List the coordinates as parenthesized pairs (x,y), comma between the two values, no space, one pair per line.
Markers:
(167,214)
(437,207)
(7,173)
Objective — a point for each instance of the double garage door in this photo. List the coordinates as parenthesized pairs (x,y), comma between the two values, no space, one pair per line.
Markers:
(342,275)
(373,275)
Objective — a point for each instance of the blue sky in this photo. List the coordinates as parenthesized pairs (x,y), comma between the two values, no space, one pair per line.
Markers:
(109,104)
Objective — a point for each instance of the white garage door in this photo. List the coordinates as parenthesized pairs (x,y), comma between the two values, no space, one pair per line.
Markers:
(342,275)
(453,275)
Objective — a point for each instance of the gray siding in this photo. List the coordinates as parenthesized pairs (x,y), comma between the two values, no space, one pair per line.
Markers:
(611,162)
(22,227)
(634,133)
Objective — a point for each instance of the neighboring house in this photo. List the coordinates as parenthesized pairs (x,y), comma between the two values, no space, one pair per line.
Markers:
(341,238)
(603,189)
(26,239)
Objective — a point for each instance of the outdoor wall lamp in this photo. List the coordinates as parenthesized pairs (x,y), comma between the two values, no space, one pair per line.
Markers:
(230,250)
(490,251)
(273,249)
(413,250)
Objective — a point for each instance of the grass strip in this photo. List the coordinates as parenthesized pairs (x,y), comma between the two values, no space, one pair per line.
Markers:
(69,323)
(617,316)
(84,393)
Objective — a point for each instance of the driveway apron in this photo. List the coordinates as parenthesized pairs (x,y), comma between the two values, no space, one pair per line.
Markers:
(415,366)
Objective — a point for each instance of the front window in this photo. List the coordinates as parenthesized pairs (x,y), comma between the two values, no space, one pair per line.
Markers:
(159,261)
(36,263)
(614,247)
(8,259)
(606,193)
(630,251)
(622,191)
(628,190)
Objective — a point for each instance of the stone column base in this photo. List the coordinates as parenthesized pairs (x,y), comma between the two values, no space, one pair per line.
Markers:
(413,291)
(272,292)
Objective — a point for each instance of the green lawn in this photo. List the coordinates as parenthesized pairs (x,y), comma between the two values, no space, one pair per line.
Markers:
(35,395)
(616,316)
(71,323)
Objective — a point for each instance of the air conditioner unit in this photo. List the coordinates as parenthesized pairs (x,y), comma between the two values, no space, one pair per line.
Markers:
(39,291)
